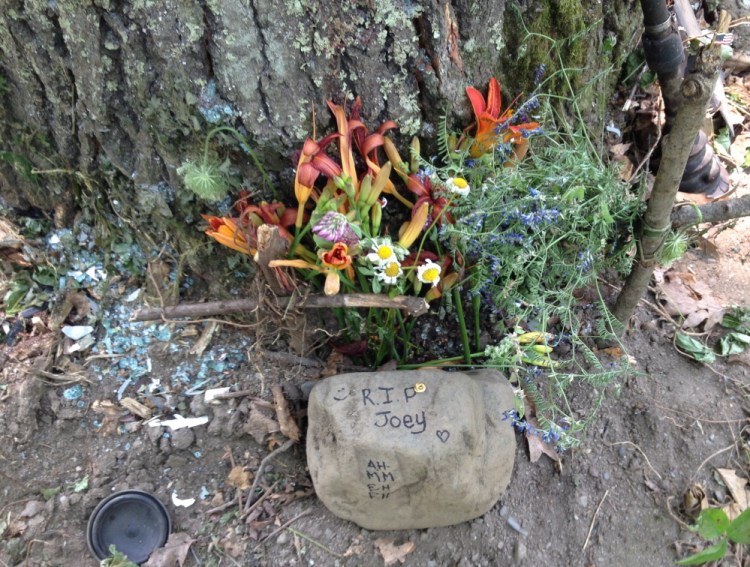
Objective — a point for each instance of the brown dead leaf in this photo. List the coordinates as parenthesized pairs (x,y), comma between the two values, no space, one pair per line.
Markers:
(110,415)
(618,150)
(684,296)
(173,553)
(737,487)
(625,167)
(356,547)
(535,443)
(392,552)
(137,408)
(537,447)
(240,478)
(287,424)
(614,352)
(258,424)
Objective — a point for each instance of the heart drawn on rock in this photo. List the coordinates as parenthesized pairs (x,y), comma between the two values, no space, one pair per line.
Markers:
(443,435)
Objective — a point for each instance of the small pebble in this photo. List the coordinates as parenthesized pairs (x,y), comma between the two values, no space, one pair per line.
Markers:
(519,552)
(283,538)
(606,476)
(583,500)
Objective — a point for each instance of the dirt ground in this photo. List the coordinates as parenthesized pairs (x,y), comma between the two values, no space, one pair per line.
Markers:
(615,501)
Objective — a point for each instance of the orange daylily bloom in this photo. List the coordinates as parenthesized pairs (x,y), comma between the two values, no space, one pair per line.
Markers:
(312,162)
(490,124)
(225,231)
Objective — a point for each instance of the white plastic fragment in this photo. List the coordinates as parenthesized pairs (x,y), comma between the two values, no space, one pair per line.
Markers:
(133,295)
(612,129)
(185,503)
(179,422)
(210,395)
(79,346)
(77,332)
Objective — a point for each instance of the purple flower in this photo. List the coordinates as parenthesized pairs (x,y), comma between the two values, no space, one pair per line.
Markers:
(335,227)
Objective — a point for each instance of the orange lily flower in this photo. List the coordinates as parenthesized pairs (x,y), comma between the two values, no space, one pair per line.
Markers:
(274,214)
(312,162)
(490,124)
(335,259)
(225,231)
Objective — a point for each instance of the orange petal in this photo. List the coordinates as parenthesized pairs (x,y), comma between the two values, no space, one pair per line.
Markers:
(477,102)
(493,98)
(294,264)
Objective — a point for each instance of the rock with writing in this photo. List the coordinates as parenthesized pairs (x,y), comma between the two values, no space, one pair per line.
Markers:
(414,449)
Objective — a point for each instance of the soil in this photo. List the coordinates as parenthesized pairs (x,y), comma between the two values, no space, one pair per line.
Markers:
(617,500)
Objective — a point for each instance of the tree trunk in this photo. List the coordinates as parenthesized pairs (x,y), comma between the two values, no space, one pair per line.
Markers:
(109,98)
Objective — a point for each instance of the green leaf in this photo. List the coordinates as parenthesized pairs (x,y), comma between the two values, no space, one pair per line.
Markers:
(694,348)
(711,553)
(82,484)
(50,493)
(739,530)
(733,343)
(722,138)
(737,318)
(712,523)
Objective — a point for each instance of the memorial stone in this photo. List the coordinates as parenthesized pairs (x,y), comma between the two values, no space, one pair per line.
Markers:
(410,449)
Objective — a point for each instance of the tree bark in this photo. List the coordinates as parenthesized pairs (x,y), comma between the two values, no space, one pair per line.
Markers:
(123,92)
(712,212)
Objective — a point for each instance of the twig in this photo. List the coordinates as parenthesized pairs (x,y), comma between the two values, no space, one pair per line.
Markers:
(222,507)
(415,306)
(314,542)
(712,213)
(674,516)
(593,520)
(283,526)
(259,472)
(260,500)
(640,451)
(719,452)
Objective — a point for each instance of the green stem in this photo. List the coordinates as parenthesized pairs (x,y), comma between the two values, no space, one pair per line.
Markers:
(462,325)
(476,303)
(297,237)
(439,361)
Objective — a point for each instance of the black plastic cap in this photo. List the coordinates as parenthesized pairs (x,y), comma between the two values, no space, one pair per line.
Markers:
(135,522)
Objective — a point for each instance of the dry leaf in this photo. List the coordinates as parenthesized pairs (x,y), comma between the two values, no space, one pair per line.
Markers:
(684,296)
(173,553)
(614,352)
(259,425)
(694,501)
(240,478)
(110,416)
(392,552)
(537,446)
(737,487)
(287,424)
(135,407)
(618,150)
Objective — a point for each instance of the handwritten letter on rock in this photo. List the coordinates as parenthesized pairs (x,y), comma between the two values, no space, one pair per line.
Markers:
(413,449)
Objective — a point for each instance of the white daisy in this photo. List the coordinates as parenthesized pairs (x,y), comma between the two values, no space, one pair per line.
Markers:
(384,251)
(429,273)
(458,185)
(389,273)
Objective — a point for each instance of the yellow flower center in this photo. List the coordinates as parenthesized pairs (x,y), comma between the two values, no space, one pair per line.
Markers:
(431,274)
(385,252)
(391,270)
(460,182)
